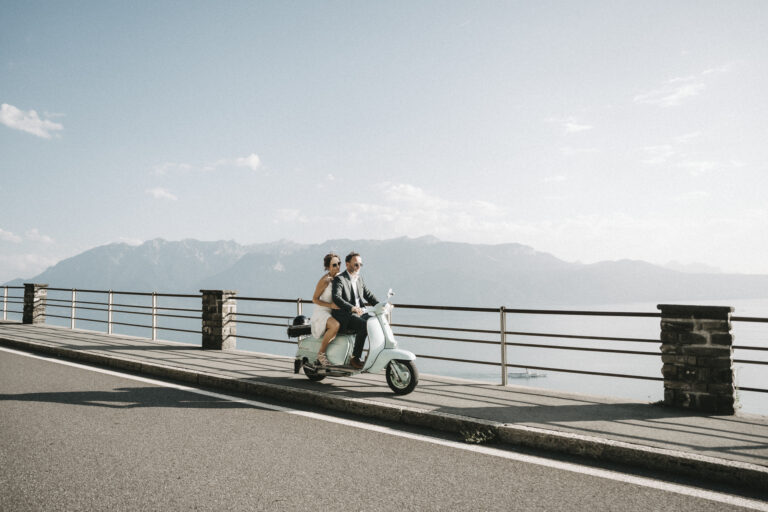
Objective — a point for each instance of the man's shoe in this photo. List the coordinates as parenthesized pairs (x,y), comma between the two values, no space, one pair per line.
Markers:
(355,363)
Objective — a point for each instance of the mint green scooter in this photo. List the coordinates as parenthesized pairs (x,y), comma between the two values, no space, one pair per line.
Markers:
(383,354)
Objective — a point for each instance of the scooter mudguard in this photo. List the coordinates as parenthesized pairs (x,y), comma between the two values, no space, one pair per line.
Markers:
(386,356)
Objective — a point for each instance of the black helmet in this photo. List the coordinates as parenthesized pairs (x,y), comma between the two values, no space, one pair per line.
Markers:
(300,320)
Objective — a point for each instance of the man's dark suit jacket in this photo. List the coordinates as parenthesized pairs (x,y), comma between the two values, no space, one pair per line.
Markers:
(343,297)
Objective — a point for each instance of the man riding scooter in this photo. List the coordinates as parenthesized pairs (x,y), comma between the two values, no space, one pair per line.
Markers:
(349,293)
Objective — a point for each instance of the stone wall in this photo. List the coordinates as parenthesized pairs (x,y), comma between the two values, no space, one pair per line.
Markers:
(35,296)
(219,328)
(697,357)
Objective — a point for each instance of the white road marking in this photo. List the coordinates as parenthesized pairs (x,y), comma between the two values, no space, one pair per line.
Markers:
(494,452)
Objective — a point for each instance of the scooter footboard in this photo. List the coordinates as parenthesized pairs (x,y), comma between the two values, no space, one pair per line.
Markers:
(388,355)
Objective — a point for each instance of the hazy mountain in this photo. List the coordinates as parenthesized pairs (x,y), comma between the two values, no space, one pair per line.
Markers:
(422,271)
(693,268)
(154,265)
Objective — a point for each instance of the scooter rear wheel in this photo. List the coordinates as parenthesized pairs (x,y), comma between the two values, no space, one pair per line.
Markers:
(312,374)
(402,376)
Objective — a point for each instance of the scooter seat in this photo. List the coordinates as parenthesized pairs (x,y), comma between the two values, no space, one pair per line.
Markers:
(294,331)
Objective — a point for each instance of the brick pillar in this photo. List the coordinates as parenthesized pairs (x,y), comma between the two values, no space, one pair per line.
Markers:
(219,325)
(34,303)
(697,352)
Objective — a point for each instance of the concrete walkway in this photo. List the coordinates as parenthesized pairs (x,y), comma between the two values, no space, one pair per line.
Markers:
(726,448)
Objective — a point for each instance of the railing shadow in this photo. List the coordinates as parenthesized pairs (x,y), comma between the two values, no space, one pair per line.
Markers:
(129,398)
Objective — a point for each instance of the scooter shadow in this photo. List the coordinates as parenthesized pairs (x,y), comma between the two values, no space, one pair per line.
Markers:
(338,386)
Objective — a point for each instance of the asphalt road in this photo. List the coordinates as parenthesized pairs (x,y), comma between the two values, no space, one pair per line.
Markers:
(76,439)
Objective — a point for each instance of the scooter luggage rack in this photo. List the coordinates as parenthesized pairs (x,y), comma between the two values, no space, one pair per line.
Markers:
(295,331)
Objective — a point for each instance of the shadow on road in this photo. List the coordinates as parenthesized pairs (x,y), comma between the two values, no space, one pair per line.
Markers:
(128,398)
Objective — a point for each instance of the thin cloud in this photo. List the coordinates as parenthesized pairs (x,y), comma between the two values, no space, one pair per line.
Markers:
(29,121)
(671,94)
(251,161)
(685,138)
(697,168)
(571,127)
(289,215)
(162,194)
(35,236)
(571,151)
(694,195)
(676,91)
(660,154)
(171,167)
(7,236)
(570,124)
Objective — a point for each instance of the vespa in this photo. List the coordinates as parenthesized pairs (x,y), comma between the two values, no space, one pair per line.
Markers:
(383,354)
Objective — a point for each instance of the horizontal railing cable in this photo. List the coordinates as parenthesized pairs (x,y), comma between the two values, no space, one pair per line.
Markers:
(259,323)
(581,337)
(254,315)
(445,338)
(266,339)
(749,319)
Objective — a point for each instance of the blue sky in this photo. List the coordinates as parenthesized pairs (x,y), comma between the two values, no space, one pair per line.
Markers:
(591,130)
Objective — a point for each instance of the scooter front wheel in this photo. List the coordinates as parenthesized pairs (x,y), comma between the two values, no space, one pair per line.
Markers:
(402,376)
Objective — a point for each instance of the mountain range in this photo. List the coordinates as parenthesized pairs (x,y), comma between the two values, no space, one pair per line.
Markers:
(422,270)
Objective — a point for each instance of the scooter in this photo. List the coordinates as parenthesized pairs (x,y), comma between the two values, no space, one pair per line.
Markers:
(402,375)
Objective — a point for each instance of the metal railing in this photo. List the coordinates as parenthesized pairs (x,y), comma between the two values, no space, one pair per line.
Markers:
(763,349)
(504,334)
(502,337)
(266,320)
(115,306)
(12,299)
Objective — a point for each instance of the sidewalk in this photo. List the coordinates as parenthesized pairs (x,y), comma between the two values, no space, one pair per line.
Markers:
(726,448)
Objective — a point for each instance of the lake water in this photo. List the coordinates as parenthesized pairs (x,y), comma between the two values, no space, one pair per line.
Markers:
(518,358)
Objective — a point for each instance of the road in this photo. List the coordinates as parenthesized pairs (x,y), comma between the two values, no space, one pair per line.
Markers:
(76,438)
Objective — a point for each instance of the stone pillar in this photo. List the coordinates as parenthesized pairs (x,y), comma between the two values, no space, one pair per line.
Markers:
(219,325)
(697,352)
(34,303)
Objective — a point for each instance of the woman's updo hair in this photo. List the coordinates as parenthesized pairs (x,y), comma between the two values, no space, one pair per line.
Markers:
(328,258)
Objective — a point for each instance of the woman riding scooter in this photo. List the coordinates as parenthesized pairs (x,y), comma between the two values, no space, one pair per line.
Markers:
(323,324)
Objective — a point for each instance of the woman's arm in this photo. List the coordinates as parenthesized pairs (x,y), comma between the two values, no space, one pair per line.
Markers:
(322,284)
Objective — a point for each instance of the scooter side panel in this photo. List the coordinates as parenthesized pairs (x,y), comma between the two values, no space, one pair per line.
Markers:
(308,347)
(338,349)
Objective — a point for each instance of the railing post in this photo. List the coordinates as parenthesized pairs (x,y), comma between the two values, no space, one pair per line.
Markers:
(503,321)
(109,313)
(697,356)
(219,329)
(5,304)
(154,316)
(74,309)
(34,303)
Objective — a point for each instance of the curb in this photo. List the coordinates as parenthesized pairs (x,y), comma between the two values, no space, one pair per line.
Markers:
(682,463)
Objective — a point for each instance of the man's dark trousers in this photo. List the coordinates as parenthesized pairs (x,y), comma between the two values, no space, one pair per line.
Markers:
(358,325)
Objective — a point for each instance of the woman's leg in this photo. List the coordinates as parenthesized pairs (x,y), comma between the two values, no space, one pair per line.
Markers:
(331,330)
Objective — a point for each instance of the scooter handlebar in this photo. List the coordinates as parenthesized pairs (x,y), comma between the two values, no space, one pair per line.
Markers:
(382,308)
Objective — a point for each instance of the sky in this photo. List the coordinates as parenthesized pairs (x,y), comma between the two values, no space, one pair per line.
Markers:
(592,130)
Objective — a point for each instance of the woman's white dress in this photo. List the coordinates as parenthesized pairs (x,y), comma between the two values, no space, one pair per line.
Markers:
(321,314)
